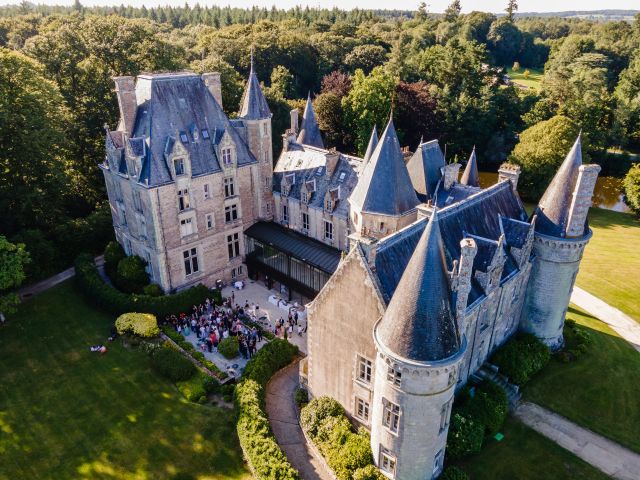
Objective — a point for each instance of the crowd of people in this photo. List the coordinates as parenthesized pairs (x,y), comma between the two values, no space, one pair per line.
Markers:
(212,323)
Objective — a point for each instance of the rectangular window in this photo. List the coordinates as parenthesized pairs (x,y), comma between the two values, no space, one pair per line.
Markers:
(226,156)
(183,199)
(149,267)
(123,214)
(265,129)
(364,369)
(229,188)
(233,245)
(143,226)
(391,416)
(328,230)
(205,134)
(209,220)
(362,409)
(230,213)
(319,171)
(186,227)
(183,137)
(137,201)
(178,165)
(438,462)
(394,376)
(305,197)
(190,261)
(207,192)
(305,221)
(445,413)
(236,272)
(387,461)
(342,176)
(285,214)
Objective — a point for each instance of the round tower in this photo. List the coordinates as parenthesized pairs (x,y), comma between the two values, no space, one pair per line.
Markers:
(561,234)
(419,353)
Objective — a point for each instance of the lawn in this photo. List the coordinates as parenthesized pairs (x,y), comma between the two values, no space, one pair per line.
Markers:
(533,80)
(524,454)
(600,390)
(610,268)
(69,413)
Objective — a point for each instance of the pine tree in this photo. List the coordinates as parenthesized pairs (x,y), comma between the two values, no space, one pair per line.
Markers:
(512,8)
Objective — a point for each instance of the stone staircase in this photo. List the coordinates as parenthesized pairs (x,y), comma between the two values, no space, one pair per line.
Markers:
(490,372)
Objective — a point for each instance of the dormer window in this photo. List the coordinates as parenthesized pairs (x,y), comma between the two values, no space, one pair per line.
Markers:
(319,171)
(342,176)
(205,134)
(226,156)
(178,166)
(184,138)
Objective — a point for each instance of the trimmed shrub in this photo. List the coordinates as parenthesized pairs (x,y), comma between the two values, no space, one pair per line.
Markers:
(272,357)
(193,388)
(488,406)
(113,253)
(370,472)
(229,347)
(153,290)
(172,365)
(465,436)
(522,357)
(454,473)
(131,276)
(210,385)
(179,339)
(114,301)
(318,410)
(142,324)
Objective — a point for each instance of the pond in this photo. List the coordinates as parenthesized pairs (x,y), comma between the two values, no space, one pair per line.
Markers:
(607,195)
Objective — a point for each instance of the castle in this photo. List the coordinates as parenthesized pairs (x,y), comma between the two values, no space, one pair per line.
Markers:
(439,272)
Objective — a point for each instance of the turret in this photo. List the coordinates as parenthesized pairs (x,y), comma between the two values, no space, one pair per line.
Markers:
(384,200)
(419,352)
(373,143)
(309,130)
(425,169)
(561,234)
(256,116)
(470,176)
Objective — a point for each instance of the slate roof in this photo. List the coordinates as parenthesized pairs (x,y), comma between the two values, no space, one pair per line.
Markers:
(478,215)
(554,207)
(308,164)
(385,187)
(424,169)
(304,248)
(419,323)
(253,105)
(470,176)
(309,129)
(170,105)
(373,143)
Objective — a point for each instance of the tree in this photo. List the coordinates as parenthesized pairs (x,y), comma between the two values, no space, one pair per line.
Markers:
(627,96)
(368,103)
(336,82)
(512,8)
(423,11)
(632,188)
(540,151)
(505,40)
(417,114)
(365,58)
(282,81)
(328,108)
(33,158)
(452,12)
(13,258)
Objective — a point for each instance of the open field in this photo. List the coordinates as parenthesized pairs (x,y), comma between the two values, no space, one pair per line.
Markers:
(610,269)
(68,413)
(524,454)
(599,390)
(533,80)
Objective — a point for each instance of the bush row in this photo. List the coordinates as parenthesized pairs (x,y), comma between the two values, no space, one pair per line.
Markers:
(577,341)
(258,443)
(190,349)
(522,357)
(116,302)
(347,453)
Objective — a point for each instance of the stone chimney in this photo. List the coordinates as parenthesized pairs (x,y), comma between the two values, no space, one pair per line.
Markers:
(214,84)
(582,195)
(450,175)
(294,120)
(508,171)
(332,157)
(126,92)
(462,278)
(288,137)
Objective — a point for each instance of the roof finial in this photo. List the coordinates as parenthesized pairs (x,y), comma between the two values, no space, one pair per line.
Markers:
(251,58)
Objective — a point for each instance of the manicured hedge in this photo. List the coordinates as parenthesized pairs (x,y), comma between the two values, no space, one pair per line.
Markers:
(142,324)
(347,453)
(522,357)
(465,436)
(116,302)
(454,473)
(488,406)
(172,365)
(263,453)
(188,346)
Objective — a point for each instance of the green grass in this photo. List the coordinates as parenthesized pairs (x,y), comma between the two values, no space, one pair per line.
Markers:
(533,80)
(68,413)
(526,455)
(610,268)
(599,390)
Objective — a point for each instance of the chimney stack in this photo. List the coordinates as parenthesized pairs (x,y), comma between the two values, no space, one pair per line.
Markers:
(214,84)
(332,157)
(126,92)
(294,120)
(511,172)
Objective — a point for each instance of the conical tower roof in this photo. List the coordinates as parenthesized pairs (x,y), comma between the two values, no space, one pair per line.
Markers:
(555,205)
(373,142)
(309,130)
(470,176)
(253,105)
(384,186)
(419,323)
